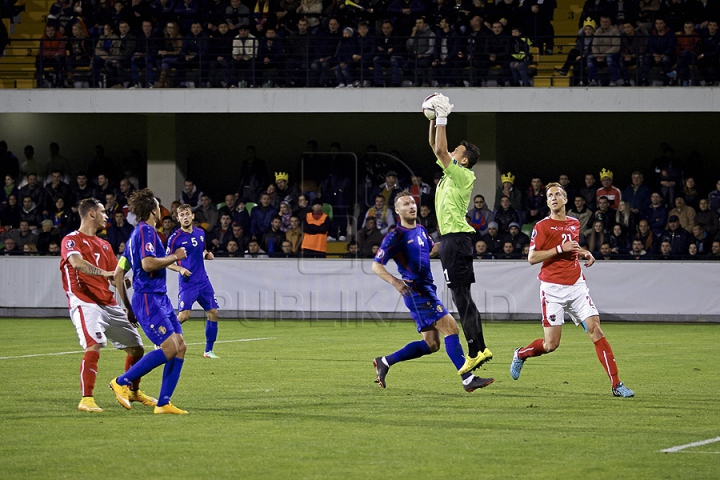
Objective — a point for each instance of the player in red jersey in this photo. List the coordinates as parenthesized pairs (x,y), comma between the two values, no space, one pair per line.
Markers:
(87,263)
(563,289)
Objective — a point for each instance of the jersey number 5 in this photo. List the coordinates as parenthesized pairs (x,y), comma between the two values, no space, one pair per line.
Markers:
(194,242)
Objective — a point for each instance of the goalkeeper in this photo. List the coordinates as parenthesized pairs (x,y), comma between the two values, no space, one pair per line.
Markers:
(456,248)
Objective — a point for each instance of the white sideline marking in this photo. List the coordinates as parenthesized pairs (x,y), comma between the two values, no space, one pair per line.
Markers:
(690,445)
(83,351)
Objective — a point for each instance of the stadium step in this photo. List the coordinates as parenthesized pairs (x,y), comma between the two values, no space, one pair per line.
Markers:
(551,81)
(25,83)
(34,17)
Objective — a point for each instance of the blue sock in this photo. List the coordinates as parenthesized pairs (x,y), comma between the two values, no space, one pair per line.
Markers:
(455,351)
(146,364)
(211,329)
(171,375)
(408,352)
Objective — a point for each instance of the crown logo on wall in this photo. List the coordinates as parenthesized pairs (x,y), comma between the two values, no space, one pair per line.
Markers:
(508,177)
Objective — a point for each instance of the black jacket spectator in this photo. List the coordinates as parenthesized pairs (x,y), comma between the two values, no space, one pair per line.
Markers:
(679,240)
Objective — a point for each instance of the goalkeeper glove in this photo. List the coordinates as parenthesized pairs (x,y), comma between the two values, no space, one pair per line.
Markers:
(443,107)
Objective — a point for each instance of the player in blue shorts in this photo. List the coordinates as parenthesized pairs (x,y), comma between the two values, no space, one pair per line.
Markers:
(194,284)
(410,246)
(151,307)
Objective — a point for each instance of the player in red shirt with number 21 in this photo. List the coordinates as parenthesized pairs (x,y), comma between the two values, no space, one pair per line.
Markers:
(563,289)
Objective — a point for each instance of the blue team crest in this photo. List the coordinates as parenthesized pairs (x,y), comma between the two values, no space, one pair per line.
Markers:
(162,330)
(149,247)
(70,244)
(439,308)
(182,303)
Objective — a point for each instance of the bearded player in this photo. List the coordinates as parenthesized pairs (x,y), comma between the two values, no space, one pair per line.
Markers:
(194,284)
(87,263)
(563,288)
(410,246)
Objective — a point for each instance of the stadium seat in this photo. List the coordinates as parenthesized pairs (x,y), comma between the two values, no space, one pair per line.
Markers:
(327,210)
(528,228)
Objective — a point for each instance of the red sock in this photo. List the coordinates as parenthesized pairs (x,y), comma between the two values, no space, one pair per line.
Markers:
(607,359)
(129,362)
(88,372)
(535,349)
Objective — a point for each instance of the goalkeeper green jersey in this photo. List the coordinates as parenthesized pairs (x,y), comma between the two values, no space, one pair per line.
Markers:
(452,198)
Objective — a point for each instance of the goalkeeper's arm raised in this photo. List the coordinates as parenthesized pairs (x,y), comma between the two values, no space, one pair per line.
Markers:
(443,107)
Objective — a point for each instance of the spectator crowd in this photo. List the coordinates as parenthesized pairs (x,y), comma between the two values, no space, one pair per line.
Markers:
(331,197)
(295,43)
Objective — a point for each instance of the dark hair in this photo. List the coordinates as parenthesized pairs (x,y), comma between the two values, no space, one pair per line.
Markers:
(87,205)
(142,203)
(166,217)
(472,153)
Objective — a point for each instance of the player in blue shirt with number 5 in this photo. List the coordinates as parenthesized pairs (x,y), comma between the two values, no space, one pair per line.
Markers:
(410,246)
(194,284)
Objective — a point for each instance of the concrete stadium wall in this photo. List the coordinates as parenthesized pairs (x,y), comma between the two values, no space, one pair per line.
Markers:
(346,289)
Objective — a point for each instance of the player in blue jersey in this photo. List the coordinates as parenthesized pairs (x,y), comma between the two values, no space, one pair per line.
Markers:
(194,284)
(151,307)
(410,246)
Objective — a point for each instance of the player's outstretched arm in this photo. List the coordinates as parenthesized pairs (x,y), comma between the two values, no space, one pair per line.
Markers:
(441,148)
(152,264)
(431,135)
(380,270)
(83,266)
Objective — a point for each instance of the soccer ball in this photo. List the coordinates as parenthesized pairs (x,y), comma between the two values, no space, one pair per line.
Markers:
(428,108)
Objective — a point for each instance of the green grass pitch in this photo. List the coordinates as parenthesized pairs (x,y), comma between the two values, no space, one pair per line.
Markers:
(300,402)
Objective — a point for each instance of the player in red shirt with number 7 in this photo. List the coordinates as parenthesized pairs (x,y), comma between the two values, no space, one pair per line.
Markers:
(563,289)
